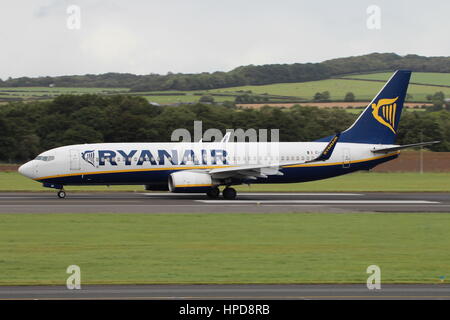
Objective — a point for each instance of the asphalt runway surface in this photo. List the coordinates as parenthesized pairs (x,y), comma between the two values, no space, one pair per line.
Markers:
(238,292)
(133,202)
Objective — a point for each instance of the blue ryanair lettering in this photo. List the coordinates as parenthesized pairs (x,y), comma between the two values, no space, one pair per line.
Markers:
(146,155)
(127,156)
(106,155)
(189,155)
(218,156)
(162,154)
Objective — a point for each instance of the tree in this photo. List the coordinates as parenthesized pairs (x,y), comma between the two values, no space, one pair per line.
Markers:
(349,97)
(322,96)
(438,101)
(206,99)
(318,96)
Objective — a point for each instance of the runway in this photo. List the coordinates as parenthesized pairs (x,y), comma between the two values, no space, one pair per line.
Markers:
(238,292)
(131,202)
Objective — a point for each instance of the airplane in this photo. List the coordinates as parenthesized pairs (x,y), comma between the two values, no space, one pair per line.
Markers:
(203,167)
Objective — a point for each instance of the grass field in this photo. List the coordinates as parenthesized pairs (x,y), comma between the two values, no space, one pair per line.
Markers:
(223,248)
(360,181)
(363,90)
(416,77)
(33,93)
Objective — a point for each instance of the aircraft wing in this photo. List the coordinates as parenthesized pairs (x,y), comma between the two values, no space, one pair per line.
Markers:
(386,150)
(264,170)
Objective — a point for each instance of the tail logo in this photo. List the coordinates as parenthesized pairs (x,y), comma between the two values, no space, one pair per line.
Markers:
(385,111)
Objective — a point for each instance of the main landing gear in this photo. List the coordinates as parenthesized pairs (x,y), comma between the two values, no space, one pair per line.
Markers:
(213,193)
(61,194)
(228,193)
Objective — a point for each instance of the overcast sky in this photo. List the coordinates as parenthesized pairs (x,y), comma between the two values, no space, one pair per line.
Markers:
(152,36)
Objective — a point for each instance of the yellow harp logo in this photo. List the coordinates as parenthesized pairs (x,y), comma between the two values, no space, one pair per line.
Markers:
(385,116)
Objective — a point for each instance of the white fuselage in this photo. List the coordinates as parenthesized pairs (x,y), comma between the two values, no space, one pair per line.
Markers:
(90,160)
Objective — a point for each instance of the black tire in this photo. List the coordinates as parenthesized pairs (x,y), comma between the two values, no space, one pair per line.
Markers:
(229,193)
(213,193)
(61,194)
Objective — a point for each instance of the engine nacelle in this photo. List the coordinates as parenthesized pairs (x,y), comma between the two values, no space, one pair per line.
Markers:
(188,181)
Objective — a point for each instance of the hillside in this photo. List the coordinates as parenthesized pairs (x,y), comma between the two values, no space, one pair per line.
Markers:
(364,87)
(425,78)
(244,75)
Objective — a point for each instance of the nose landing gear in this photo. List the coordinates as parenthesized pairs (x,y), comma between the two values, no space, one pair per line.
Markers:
(61,194)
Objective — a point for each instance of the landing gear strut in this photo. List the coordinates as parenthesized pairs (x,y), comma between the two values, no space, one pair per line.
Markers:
(61,194)
(229,193)
(213,193)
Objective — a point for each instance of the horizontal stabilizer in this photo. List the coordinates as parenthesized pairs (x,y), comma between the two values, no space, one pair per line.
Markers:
(385,150)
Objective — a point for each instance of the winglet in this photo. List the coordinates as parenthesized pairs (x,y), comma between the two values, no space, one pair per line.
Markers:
(328,151)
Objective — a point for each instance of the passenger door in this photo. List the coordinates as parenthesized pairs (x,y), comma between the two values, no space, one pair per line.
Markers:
(74,159)
(346,158)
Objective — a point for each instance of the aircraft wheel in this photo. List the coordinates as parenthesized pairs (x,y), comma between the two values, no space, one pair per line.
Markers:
(61,194)
(213,193)
(229,193)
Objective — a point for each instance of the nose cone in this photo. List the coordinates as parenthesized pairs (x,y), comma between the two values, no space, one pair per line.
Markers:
(27,170)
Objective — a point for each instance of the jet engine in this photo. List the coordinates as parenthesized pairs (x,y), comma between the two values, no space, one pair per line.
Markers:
(190,181)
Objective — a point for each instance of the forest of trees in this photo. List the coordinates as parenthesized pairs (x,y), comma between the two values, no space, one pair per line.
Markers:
(244,75)
(30,128)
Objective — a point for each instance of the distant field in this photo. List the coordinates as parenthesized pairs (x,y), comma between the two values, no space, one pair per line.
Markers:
(416,77)
(224,248)
(188,97)
(38,93)
(360,181)
(363,90)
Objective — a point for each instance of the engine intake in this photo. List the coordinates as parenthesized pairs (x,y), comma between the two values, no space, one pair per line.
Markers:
(188,181)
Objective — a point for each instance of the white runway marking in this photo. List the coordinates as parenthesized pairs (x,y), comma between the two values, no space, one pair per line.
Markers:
(320,201)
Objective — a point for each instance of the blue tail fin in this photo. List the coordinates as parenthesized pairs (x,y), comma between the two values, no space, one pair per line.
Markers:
(378,123)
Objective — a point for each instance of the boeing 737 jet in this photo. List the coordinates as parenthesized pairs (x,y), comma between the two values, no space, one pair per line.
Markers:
(203,167)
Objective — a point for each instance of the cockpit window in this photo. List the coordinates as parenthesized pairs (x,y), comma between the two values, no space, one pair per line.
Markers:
(45,158)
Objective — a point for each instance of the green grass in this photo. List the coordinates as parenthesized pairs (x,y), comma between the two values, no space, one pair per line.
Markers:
(416,77)
(32,93)
(363,90)
(360,181)
(183,99)
(223,248)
